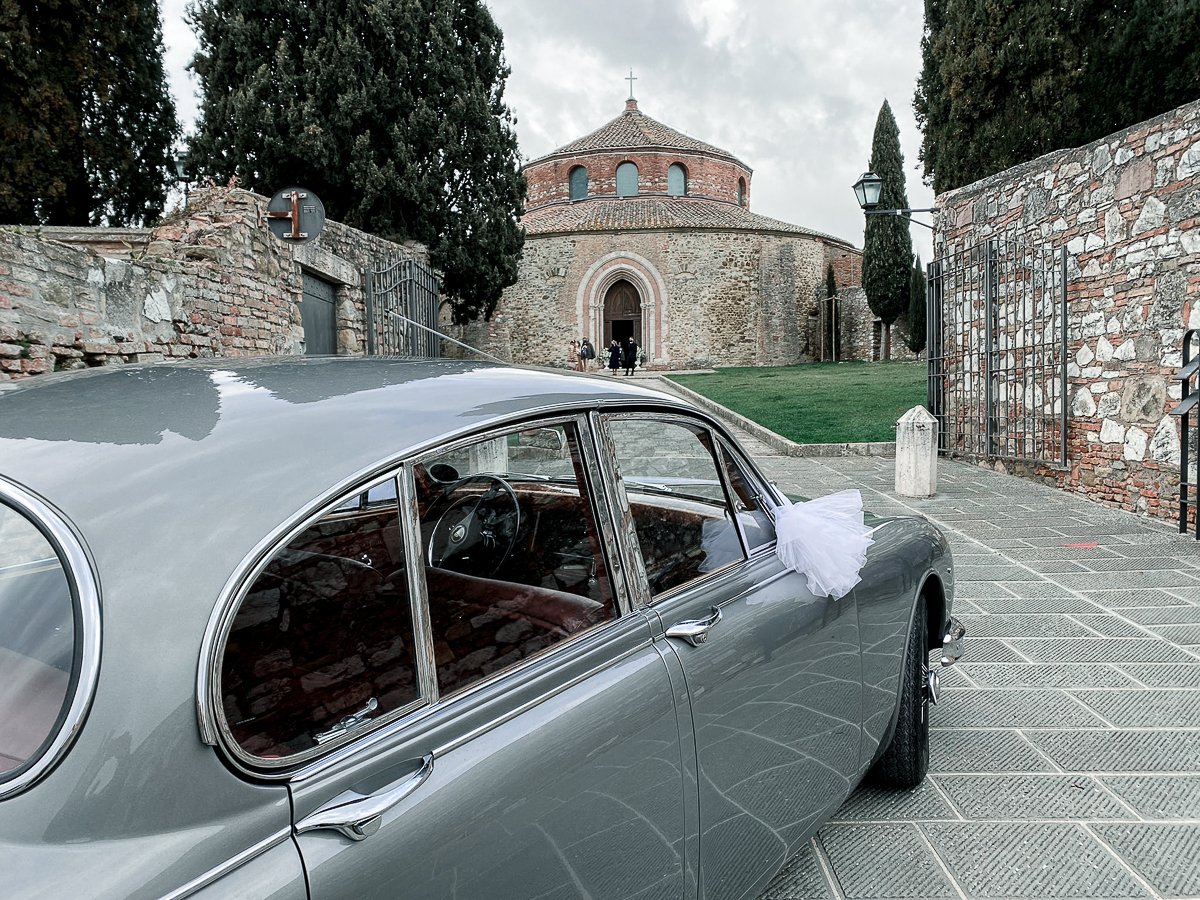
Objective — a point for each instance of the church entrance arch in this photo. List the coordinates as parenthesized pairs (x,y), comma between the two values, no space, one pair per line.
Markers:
(622,313)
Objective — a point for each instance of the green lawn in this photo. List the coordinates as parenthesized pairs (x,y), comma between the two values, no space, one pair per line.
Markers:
(819,403)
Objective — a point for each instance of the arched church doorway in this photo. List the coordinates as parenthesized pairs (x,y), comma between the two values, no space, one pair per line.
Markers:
(623,313)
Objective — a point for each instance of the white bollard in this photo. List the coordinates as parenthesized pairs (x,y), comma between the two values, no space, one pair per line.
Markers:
(916,453)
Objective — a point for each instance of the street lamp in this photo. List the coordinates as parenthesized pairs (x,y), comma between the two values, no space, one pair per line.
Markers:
(867,190)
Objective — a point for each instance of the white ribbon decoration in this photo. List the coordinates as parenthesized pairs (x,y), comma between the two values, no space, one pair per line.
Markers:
(825,540)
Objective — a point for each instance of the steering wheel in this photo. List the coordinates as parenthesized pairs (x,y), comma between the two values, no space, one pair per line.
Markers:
(476,532)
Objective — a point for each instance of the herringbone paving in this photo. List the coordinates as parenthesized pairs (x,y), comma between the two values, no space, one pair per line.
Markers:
(1065,751)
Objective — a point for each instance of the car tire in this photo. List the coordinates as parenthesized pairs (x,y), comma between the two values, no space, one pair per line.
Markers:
(906,759)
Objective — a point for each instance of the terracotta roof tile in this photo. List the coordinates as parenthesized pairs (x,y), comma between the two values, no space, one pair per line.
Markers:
(635,130)
(653,213)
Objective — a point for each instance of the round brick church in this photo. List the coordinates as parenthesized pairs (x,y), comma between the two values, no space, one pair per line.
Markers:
(637,229)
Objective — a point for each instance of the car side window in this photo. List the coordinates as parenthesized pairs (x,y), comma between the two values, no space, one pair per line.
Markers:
(684,525)
(513,557)
(38,639)
(748,502)
(323,641)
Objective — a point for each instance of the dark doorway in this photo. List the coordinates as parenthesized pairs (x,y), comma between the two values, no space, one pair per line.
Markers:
(623,313)
(318,315)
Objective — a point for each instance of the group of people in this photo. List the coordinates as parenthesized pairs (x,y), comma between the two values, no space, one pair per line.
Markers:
(619,355)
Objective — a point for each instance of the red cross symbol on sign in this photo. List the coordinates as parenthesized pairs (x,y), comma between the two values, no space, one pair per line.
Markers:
(293,214)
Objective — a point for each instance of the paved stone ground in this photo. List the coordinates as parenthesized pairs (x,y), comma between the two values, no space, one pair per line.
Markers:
(1065,752)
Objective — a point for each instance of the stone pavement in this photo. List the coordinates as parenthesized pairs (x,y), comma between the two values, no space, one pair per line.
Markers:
(1065,752)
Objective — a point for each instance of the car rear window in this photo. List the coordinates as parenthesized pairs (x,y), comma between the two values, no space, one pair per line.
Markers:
(37,643)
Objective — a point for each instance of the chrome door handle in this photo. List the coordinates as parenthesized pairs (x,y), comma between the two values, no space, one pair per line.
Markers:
(358,816)
(695,631)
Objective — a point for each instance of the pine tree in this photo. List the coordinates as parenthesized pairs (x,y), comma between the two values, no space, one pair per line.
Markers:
(86,121)
(916,308)
(887,245)
(392,111)
(1009,80)
(832,315)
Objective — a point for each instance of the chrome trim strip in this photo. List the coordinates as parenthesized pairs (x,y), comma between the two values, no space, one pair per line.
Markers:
(602,509)
(371,739)
(217,632)
(85,583)
(417,596)
(633,569)
(234,862)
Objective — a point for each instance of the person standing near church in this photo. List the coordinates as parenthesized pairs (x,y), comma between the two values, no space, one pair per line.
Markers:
(573,355)
(631,355)
(587,353)
(614,356)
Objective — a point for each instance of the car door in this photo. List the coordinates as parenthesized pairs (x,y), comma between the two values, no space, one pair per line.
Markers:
(540,754)
(772,672)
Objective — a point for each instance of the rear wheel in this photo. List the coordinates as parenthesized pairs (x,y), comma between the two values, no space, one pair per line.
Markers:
(904,763)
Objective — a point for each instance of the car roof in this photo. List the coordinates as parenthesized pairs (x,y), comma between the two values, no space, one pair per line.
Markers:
(216,435)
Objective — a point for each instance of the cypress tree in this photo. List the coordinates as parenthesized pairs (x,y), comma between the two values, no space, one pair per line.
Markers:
(916,308)
(1006,81)
(86,121)
(832,314)
(392,111)
(887,245)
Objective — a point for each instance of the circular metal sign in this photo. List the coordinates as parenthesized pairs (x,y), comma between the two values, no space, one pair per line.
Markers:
(295,215)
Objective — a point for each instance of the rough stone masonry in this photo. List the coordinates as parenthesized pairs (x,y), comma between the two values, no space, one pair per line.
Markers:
(1126,208)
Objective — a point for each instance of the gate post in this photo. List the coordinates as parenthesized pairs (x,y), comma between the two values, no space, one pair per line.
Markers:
(369,291)
(989,337)
(935,386)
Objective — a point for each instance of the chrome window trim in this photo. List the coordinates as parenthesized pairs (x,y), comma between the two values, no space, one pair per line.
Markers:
(685,418)
(85,596)
(234,862)
(549,657)
(217,633)
(637,583)
(418,596)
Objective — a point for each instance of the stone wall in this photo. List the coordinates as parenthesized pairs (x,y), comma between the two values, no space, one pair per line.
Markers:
(740,298)
(209,281)
(1126,208)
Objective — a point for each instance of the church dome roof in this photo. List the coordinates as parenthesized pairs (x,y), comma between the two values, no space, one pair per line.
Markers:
(653,213)
(634,130)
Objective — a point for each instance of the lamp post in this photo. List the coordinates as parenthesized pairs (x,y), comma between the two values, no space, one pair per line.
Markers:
(867,190)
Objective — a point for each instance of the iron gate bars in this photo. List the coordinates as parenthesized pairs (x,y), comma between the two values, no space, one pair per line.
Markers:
(410,288)
(997,351)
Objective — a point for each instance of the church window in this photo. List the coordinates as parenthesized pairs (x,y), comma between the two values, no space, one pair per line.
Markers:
(741,192)
(676,180)
(578,183)
(627,180)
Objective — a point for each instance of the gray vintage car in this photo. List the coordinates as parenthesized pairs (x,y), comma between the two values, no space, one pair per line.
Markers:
(371,628)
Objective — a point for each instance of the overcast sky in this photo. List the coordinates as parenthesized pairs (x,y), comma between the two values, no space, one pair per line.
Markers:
(790,87)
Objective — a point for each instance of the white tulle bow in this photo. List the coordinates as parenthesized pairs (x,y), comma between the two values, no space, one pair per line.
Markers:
(824,539)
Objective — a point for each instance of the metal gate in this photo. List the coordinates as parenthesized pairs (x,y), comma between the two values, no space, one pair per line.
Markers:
(997,342)
(318,316)
(410,288)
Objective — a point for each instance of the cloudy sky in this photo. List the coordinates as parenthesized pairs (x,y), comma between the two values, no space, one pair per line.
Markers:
(790,87)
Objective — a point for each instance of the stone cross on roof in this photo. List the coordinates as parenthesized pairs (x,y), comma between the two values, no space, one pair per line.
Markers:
(631,79)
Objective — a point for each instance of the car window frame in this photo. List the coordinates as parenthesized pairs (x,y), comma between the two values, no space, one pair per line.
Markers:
(214,730)
(635,560)
(764,494)
(258,765)
(84,585)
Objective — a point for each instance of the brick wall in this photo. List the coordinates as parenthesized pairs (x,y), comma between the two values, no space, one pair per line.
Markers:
(210,281)
(1126,208)
(708,176)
